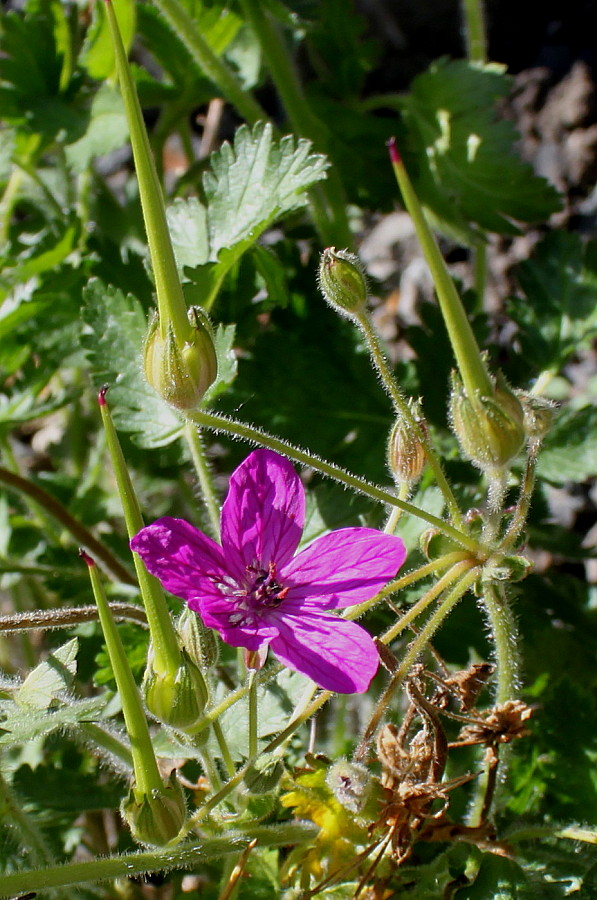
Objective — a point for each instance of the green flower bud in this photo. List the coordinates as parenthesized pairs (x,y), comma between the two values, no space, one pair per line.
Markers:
(490,430)
(342,281)
(181,373)
(508,568)
(538,415)
(264,774)
(350,783)
(176,698)
(198,641)
(155,818)
(406,453)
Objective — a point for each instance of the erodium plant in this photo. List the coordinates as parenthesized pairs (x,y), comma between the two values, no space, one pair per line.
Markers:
(255,740)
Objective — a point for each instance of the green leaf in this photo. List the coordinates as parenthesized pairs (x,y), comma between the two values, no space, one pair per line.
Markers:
(227,365)
(114,343)
(249,186)
(50,787)
(256,181)
(461,156)
(557,316)
(21,726)
(570,449)
(51,678)
(107,130)
(98,54)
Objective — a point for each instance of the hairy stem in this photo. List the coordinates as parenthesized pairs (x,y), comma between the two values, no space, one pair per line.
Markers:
(208,63)
(81,535)
(67,617)
(255,435)
(208,494)
(402,408)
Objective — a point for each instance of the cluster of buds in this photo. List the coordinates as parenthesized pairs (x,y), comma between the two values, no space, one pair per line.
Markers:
(181,371)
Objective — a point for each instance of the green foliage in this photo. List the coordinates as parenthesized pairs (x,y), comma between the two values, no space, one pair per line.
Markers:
(557,314)
(461,155)
(117,330)
(246,220)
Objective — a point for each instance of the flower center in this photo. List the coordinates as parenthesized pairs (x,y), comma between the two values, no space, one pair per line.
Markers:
(262,586)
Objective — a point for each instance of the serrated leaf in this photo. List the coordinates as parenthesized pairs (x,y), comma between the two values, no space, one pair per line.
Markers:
(21,726)
(250,184)
(461,156)
(114,343)
(51,678)
(570,449)
(255,181)
(557,316)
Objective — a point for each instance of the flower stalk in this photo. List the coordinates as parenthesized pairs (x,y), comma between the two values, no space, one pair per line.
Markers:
(171,303)
(147,775)
(166,650)
(468,357)
(255,435)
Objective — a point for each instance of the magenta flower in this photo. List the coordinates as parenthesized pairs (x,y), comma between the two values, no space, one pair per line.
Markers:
(256,592)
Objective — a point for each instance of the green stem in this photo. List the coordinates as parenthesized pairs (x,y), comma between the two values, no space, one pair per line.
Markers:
(187,857)
(328,200)
(108,743)
(7,203)
(413,652)
(31,835)
(523,504)
(147,775)
(208,63)
(79,532)
(423,602)
(167,656)
(253,714)
(428,569)
(67,617)
(505,641)
(402,409)
(480,272)
(208,494)
(468,357)
(224,748)
(474,26)
(171,303)
(255,435)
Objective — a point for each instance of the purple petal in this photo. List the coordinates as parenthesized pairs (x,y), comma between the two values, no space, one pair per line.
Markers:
(185,560)
(237,627)
(338,655)
(264,512)
(343,568)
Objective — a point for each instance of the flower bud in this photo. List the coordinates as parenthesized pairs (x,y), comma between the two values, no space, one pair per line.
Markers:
(176,698)
(490,430)
(406,453)
(538,415)
(198,641)
(264,774)
(181,372)
(157,817)
(342,281)
(350,783)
